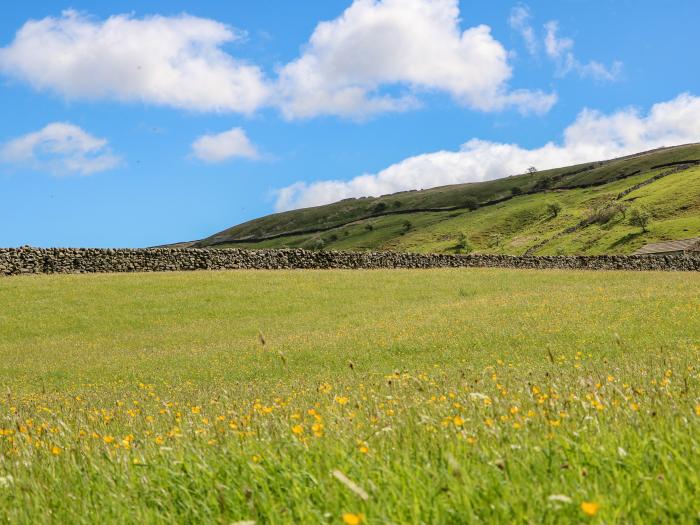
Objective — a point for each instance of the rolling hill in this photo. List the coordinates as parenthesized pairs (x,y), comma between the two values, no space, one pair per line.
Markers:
(583,209)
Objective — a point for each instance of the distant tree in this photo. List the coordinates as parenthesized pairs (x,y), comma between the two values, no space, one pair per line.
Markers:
(319,245)
(640,217)
(471,203)
(407,226)
(553,209)
(516,190)
(379,207)
(543,184)
(397,204)
(532,170)
(621,208)
(332,237)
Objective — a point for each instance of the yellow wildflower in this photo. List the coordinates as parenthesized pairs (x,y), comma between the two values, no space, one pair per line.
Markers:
(590,508)
(353,519)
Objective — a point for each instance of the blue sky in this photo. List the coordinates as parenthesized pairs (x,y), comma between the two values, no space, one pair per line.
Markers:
(146,122)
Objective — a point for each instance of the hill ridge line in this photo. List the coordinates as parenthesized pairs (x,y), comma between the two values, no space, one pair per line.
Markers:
(281,235)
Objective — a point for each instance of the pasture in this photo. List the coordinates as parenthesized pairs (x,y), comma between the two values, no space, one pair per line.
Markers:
(429,396)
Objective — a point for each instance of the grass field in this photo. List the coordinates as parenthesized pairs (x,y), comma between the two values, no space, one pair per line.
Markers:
(441,396)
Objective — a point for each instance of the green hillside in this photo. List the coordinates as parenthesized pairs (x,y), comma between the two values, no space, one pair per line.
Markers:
(582,209)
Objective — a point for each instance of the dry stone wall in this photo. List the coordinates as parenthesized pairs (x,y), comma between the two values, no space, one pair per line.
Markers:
(18,261)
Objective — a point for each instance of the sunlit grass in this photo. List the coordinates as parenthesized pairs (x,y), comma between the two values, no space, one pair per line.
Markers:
(446,396)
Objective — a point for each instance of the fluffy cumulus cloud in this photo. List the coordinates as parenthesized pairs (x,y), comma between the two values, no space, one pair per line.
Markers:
(224,146)
(170,61)
(62,149)
(592,136)
(379,56)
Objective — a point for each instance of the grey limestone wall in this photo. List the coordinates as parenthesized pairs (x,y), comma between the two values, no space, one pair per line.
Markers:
(27,260)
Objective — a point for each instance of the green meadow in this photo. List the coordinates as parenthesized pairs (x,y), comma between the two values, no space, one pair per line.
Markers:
(378,397)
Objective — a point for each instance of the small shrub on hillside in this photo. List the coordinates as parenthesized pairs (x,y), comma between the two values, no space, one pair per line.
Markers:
(543,184)
(640,218)
(471,203)
(553,209)
(607,212)
(369,227)
(621,208)
(379,207)
(495,240)
(601,216)
(407,225)
(462,245)
(516,190)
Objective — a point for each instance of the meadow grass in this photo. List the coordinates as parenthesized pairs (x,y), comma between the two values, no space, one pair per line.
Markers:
(430,396)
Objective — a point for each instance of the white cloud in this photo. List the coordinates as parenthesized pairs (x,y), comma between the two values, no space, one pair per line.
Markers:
(170,61)
(224,146)
(556,47)
(379,55)
(560,50)
(519,20)
(62,149)
(593,136)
